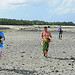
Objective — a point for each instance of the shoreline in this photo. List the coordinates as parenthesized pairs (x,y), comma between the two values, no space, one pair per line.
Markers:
(37,28)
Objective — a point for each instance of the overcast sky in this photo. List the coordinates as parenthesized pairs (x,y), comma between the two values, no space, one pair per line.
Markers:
(46,10)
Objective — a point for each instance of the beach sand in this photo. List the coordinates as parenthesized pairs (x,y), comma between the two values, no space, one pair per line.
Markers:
(22,54)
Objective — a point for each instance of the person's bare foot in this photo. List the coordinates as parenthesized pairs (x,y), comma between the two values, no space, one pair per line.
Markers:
(46,56)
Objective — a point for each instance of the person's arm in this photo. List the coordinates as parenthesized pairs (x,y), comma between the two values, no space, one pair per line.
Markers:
(3,37)
(50,35)
(42,35)
(58,29)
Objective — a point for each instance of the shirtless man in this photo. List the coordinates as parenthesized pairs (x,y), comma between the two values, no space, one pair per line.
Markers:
(44,35)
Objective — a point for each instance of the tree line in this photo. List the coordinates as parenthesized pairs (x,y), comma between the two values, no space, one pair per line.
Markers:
(5,21)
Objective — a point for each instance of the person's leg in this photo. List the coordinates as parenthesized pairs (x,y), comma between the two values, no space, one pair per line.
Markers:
(43,48)
(46,53)
(0,52)
(59,35)
(0,57)
(46,50)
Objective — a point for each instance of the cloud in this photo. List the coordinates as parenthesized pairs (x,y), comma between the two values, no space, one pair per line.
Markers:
(61,7)
(8,4)
(5,4)
(53,6)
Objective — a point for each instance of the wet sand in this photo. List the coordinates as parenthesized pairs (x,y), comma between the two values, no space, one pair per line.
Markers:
(22,54)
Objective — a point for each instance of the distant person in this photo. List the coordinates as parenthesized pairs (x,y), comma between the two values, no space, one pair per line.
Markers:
(2,38)
(45,36)
(60,31)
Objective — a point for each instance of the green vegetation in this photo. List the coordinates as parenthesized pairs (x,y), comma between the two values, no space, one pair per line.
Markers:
(4,21)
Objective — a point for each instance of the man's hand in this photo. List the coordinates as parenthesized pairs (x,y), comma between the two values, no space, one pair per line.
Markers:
(2,39)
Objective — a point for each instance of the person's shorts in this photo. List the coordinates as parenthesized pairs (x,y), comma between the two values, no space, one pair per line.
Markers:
(45,47)
(60,34)
(1,50)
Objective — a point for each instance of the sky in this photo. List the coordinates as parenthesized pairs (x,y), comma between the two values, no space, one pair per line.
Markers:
(43,10)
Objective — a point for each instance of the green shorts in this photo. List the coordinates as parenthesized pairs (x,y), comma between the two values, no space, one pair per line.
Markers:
(45,46)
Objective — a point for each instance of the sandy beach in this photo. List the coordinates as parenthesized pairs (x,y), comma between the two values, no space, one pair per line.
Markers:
(22,54)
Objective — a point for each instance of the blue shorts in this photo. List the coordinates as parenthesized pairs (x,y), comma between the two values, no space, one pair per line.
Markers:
(60,34)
